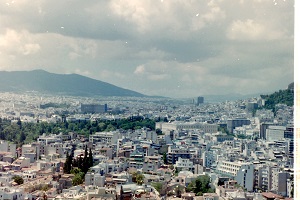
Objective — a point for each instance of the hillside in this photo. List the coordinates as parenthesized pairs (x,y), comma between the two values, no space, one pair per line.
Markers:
(67,84)
(280,97)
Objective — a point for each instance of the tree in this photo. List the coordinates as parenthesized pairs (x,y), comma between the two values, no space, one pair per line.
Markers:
(18,179)
(75,170)
(165,158)
(22,137)
(78,179)
(139,179)
(200,185)
(80,163)
(90,159)
(158,131)
(68,164)
(85,164)
(158,186)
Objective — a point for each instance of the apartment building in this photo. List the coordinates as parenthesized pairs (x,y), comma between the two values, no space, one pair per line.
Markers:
(242,172)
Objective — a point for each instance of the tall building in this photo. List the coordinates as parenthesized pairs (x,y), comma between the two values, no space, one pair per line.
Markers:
(263,129)
(199,101)
(93,108)
(275,133)
(251,106)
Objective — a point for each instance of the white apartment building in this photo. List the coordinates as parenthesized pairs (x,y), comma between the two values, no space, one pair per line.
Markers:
(6,146)
(272,178)
(47,139)
(279,181)
(105,137)
(151,135)
(243,173)
(5,178)
(20,163)
(184,165)
(94,179)
(151,163)
(109,166)
(275,133)
(54,148)
(207,128)
(11,193)
(208,158)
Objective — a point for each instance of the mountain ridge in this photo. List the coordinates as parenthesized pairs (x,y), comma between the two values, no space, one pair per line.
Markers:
(68,84)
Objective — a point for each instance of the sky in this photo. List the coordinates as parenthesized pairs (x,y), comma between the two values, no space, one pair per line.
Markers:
(174,48)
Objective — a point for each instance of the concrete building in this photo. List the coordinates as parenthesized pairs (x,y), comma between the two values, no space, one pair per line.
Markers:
(175,153)
(94,179)
(251,106)
(11,193)
(238,122)
(152,163)
(93,108)
(184,165)
(104,137)
(263,129)
(275,133)
(208,159)
(242,172)
(220,137)
(206,127)
(48,139)
(6,146)
(199,101)
(279,182)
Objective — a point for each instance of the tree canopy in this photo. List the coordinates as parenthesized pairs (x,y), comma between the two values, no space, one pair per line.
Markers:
(200,185)
(280,97)
(18,179)
(21,132)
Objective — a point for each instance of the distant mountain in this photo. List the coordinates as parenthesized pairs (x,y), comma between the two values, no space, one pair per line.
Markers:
(66,84)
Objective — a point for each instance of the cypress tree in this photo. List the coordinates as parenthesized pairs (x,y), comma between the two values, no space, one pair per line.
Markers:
(80,164)
(85,160)
(68,164)
(91,159)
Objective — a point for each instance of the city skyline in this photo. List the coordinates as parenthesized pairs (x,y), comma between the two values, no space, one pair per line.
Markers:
(167,48)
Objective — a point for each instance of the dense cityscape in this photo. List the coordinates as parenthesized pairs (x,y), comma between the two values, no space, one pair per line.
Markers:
(65,147)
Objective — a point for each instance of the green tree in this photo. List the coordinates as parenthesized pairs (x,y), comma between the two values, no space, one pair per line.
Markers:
(18,179)
(200,185)
(85,164)
(90,159)
(75,170)
(158,131)
(78,179)
(158,186)
(68,164)
(165,158)
(80,163)
(139,179)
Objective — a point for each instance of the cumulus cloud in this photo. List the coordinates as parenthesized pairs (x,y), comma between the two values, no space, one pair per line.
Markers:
(13,43)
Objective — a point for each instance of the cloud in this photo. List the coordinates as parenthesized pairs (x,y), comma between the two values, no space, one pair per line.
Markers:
(250,30)
(139,70)
(14,43)
(154,46)
(153,71)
